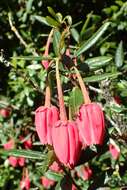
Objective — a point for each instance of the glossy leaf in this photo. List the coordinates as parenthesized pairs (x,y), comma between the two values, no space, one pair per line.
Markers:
(85,24)
(41,19)
(23,153)
(91,41)
(52,12)
(53,175)
(97,78)
(75,100)
(52,22)
(75,34)
(98,62)
(56,41)
(119,55)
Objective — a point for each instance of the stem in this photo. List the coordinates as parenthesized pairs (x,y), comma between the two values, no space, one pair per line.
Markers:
(83,87)
(63,115)
(48,42)
(47,96)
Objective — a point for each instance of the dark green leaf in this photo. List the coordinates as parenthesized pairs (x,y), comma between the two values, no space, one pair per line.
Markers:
(85,24)
(76,99)
(101,77)
(41,19)
(69,19)
(98,62)
(29,5)
(75,34)
(91,41)
(119,55)
(56,41)
(53,175)
(52,22)
(23,153)
(52,12)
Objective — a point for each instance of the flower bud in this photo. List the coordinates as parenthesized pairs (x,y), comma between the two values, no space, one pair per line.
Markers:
(114,150)
(66,142)
(47,182)
(25,182)
(90,121)
(13,161)
(9,145)
(45,118)
(21,161)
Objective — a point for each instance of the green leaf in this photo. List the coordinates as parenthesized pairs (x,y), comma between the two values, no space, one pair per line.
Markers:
(75,100)
(119,55)
(91,41)
(41,19)
(86,24)
(52,22)
(59,17)
(35,66)
(23,153)
(29,5)
(53,175)
(75,34)
(69,19)
(52,12)
(97,78)
(33,58)
(98,62)
(56,41)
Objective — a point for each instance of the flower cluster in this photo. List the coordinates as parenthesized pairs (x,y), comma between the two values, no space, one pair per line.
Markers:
(68,137)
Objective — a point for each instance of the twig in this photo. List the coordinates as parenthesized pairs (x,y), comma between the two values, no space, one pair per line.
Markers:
(16,31)
(96,90)
(13,28)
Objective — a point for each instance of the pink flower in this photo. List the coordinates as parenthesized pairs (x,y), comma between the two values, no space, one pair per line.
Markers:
(66,142)
(117,100)
(55,167)
(25,182)
(5,112)
(9,145)
(21,161)
(85,172)
(13,161)
(45,118)
(90,121)
(27,143)
(114,150)
(47,182)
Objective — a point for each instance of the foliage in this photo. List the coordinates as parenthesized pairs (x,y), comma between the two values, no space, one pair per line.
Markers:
(98,40)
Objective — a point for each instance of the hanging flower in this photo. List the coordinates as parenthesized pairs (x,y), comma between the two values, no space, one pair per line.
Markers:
(65,135)
(90,121)
(66,142)
(45,118)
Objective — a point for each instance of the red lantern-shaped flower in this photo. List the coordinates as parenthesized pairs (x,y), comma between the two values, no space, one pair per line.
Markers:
(45,118)
(90,122)
(90,119)
(65,133)
(66,142)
